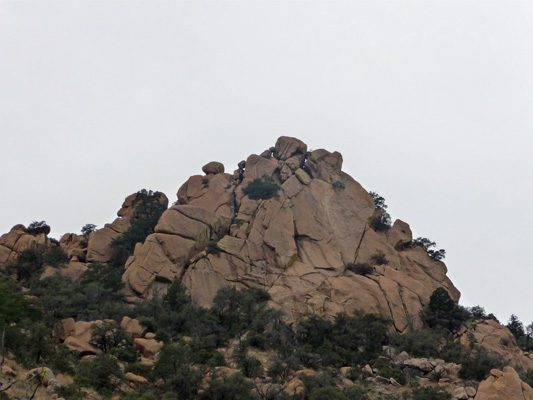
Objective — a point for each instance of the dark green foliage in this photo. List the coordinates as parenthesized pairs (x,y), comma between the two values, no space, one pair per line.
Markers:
(348,340)
(356,392)
(212,248)
(422,343)
(360,268)
(381,220)
(182,367)
(238,311)
(478,365)
(261,188)
(107,276)
(443,312)
(250,366)
(338,185)
(234,387)
(69,392)
(56,257)
(378,258)
(430,393)
(113,339)
(28,264)
(37,228)
(516,327)
(60,298)
(527,377)
(13,306)
(88,229)
(102,373)
(427,244)
(327,393)
(388,371)
(147,210)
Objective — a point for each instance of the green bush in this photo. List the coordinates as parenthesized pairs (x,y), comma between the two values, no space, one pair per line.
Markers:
(38,227)
(430,393)
(443,312)
(107,276)
(478,366)
(261,188)
(381,220)
(360,268)
(378,258)
(338,185)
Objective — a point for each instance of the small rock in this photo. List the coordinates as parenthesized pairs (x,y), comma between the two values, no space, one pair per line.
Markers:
(470,391)
(496,372)
(395,383)
(460,394)
(214,167)
(135,378)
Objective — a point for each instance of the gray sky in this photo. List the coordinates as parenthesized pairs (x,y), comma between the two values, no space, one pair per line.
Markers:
(429,102)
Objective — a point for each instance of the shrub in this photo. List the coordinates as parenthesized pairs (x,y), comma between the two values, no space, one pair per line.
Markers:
(427,244)
(378,258)
(261,188)
(88,229)
(443,312)
(38,227)
(430,393)
(55,257)
(381,220)
(478,366)
(528,377)
(360,268)
(212,248)
(338,185)
(107,276)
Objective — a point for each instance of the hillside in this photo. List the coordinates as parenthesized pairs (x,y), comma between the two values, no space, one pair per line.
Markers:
(284,279)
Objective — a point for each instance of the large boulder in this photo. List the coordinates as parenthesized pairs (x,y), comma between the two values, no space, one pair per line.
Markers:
(504,385)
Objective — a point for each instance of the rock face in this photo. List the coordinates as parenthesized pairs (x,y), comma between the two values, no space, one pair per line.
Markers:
(295,245)
(504,385)
(498,341)
(17,240)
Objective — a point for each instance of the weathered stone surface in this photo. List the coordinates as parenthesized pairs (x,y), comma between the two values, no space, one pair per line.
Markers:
(99,248)
(78,336)
(295,245)
(287,147)
(147,347)
(17,240)
(295,387)
(508,386)
(460,394)
(421,364)
(213,168)
(72,270)
(498,341)
(133,327)
(131,377)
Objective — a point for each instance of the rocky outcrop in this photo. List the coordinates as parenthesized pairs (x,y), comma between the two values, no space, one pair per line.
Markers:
(498,341)
(17,240)
(295,245)
(504,385)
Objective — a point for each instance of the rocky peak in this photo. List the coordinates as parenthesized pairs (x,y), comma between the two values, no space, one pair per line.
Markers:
(295,244)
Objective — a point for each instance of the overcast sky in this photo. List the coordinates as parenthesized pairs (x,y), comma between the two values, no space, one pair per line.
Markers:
(430,103)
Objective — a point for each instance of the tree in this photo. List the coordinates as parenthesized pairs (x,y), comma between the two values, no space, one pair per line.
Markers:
(107,276)
(381,220)
(38,227)
(516,327)
(443,312)
(88,229)
(427,244)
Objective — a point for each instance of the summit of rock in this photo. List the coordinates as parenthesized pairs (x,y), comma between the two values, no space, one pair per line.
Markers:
(296,245)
